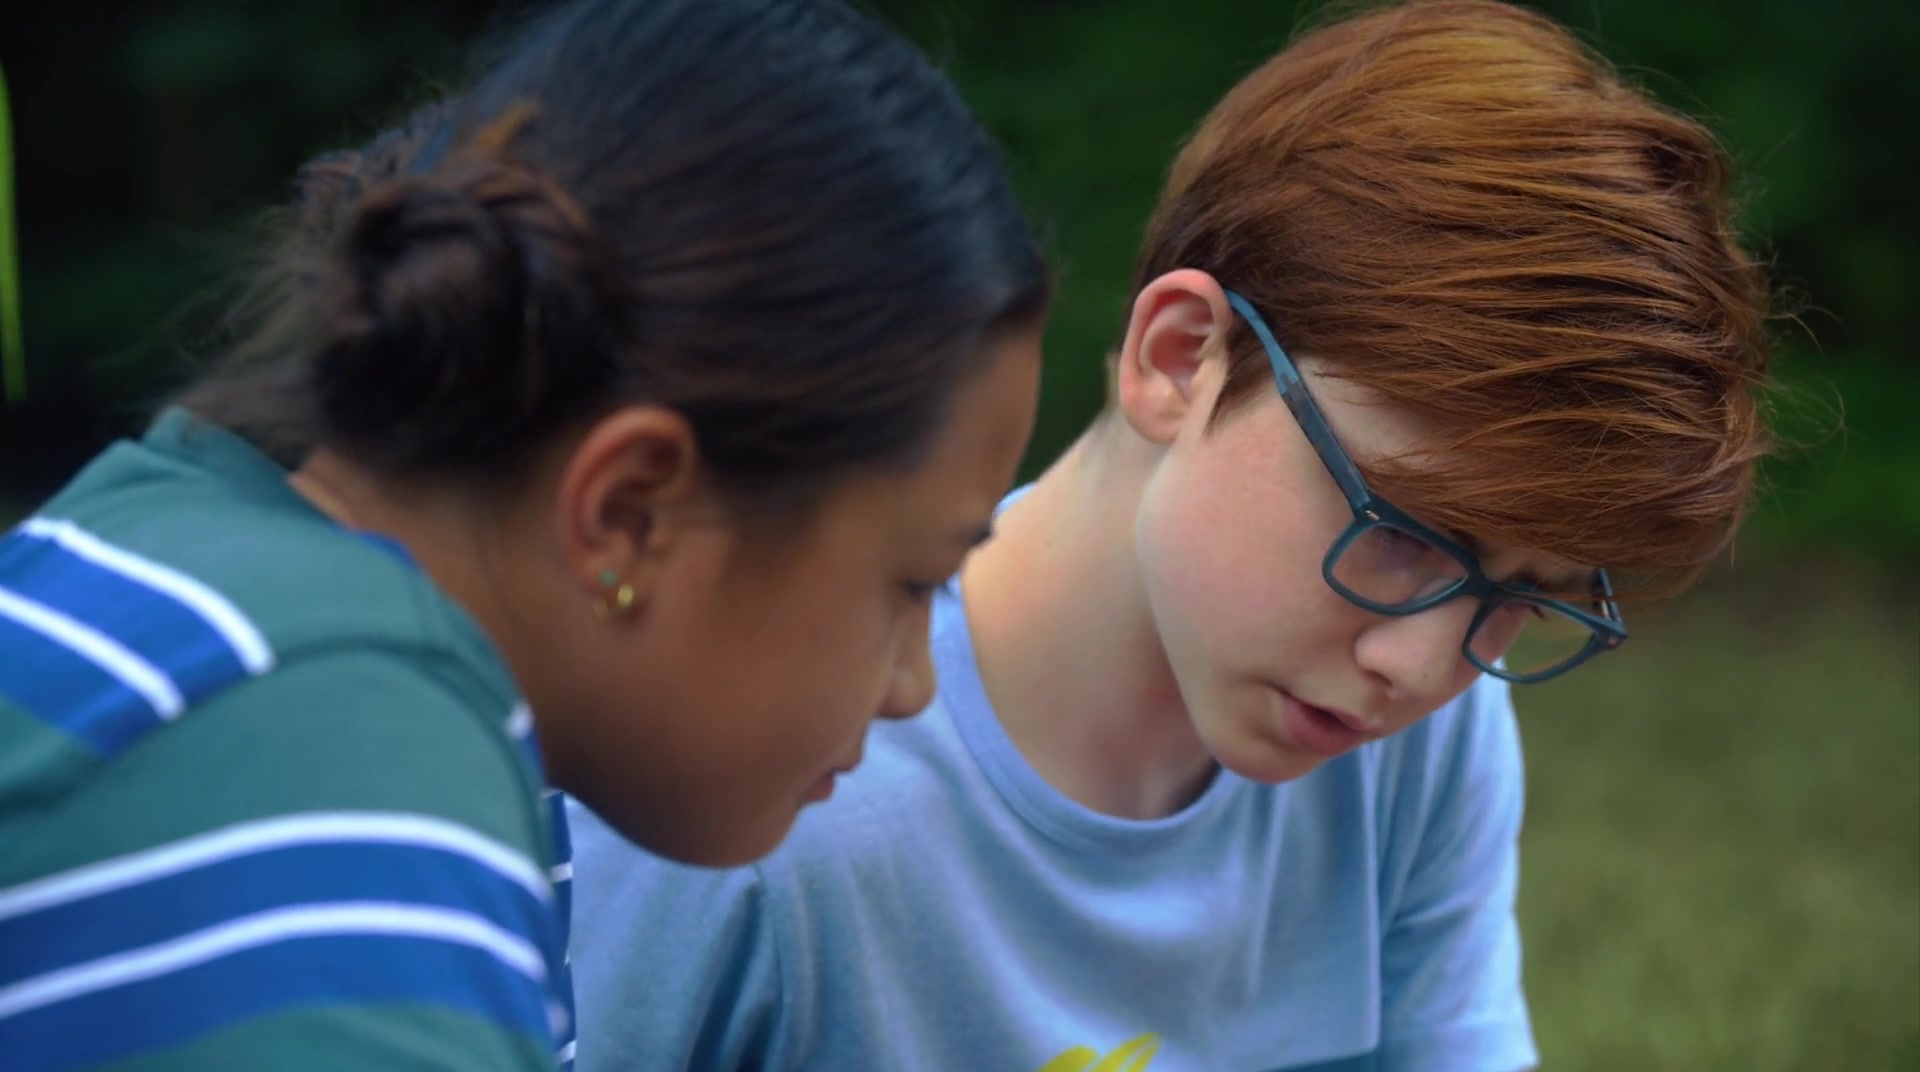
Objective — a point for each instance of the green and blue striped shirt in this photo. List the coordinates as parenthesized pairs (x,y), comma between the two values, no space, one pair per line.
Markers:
(268,799)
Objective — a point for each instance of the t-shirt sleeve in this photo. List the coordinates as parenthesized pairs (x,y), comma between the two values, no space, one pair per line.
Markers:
(331,866)
(674,967)
(1450,952)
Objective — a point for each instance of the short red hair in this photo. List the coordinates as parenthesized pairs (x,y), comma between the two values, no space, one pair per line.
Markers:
(1456,205)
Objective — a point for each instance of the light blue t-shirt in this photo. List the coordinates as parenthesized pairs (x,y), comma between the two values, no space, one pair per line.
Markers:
(949,911)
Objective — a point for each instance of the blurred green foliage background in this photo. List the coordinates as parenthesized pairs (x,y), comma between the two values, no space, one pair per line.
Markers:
(1723,851)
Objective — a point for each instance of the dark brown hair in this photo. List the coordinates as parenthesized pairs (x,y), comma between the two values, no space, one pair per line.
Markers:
(1458,207)
(771,215)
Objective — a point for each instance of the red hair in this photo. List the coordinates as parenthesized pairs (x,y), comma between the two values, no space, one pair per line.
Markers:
(1454,204)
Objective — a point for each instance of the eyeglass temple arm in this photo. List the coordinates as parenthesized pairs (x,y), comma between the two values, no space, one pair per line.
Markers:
(1293,390)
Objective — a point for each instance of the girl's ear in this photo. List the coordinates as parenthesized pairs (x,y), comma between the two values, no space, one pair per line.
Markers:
(629,488)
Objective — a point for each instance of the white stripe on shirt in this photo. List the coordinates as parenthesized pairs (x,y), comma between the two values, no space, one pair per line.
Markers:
(266,928)
(98,648)
(215,609)
(261,835)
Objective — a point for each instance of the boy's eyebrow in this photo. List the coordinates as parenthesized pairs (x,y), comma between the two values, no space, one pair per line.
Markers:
(1570,582)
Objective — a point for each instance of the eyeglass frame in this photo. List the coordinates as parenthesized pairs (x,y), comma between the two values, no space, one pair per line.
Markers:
(1607,630)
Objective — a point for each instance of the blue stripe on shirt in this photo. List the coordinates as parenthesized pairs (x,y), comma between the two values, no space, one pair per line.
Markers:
(562,875)
(520,727)
(67,691)
(161,909)
(563,910)
(71,692)
(358,970)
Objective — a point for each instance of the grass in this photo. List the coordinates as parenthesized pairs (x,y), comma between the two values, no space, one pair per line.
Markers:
(1722,859)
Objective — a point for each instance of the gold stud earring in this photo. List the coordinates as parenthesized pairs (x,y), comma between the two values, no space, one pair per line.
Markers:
(620,602)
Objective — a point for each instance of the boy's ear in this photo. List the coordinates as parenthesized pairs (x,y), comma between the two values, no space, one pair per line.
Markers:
(1179,323)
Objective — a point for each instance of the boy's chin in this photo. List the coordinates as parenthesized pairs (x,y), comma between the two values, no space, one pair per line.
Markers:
(1250,749)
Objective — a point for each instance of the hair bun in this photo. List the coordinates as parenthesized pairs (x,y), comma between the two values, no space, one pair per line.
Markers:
(327,188)
(433,340)
(323,190)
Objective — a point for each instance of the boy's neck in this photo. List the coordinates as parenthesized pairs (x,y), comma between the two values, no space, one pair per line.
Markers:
(1067,647)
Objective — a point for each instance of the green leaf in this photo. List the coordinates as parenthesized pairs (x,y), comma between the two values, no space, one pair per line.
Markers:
(13,358)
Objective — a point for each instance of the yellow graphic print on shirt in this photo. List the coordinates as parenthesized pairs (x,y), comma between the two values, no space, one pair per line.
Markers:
(1132,1056)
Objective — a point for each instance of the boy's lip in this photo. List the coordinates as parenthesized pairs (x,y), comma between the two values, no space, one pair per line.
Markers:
(1315,730)
(1366,727)
(1351,721)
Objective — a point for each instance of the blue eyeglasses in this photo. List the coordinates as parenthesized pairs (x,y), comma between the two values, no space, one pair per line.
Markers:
(1388,563)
